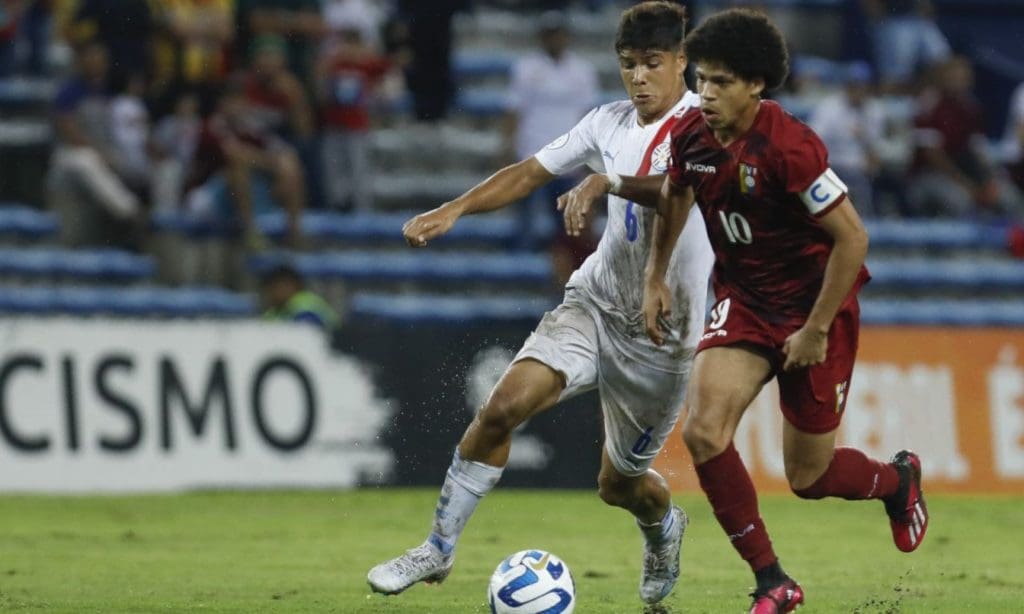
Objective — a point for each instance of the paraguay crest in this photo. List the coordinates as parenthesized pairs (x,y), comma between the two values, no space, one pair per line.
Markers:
(748,178)
(660,156)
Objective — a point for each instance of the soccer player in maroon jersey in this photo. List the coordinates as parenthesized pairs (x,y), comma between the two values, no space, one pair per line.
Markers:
(789,253)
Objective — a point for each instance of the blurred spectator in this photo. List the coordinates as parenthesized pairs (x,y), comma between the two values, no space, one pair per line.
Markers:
(276,96)
(1013,140)
(905,38)
(285,297)
(366,16)
(240,170)
(297,22)
(851,124)
(124,27)
(952,174)
(347,73)
(94,203)
(129,132)
(191,51)
(174,145)
(34,29)
(551,89)
(430,43)
(10,16)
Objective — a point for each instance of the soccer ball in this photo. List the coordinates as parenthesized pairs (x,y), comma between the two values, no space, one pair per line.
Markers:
(531,582)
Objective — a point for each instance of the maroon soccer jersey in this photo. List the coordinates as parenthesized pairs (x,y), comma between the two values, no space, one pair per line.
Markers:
(760,197)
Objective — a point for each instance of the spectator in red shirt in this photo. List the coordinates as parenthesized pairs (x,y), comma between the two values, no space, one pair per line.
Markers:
(275,95)
(951,172)
(240,169)
(346,76)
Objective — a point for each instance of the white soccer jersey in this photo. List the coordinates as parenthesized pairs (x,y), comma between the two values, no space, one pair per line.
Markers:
(610,138)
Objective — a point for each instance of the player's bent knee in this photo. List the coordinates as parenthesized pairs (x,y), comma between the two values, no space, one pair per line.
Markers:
(501,414)
(704,441)
(614,490)
(803,479)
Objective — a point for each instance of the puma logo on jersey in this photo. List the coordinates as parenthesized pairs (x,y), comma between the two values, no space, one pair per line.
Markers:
(701,168)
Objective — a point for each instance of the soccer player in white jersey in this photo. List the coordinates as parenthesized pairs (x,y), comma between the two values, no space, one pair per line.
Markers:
(596,337)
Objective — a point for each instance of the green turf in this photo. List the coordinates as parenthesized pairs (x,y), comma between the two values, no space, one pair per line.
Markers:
(309,552)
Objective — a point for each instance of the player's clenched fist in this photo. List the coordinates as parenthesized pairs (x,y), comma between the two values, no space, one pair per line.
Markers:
(805,348)
(576,204)
(429,225)
(657,305)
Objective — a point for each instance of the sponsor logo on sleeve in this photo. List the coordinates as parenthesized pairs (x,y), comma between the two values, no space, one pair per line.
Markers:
(701,168)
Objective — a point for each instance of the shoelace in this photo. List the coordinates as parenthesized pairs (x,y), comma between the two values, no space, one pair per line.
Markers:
(412,561)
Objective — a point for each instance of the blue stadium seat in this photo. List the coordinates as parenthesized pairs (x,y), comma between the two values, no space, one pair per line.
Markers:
(129,302)
(972,275)
(409,265)
(481,101)
(481,64)
(948,234)
(490,101)
(326,226)
(942,312)
(376,227)
(27,223)
(109,264)
(446,309)
(20,92)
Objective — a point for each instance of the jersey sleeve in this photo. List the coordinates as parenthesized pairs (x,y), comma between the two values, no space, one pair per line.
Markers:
(804,171)
(676,163)
(574,148)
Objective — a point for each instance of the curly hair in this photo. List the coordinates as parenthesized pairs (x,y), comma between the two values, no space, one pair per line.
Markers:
(651,25)
(745,42)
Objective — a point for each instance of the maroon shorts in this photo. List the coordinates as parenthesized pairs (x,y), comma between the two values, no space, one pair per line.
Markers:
(812,398)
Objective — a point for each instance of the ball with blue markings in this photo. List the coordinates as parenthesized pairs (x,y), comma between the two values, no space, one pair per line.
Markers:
(532,582)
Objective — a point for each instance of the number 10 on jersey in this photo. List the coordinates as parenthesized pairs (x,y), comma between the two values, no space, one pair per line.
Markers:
(736,228)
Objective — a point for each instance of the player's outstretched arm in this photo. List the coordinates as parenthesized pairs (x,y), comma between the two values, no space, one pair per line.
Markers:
(673,207)
(577,203)
(809,345)
(508,185)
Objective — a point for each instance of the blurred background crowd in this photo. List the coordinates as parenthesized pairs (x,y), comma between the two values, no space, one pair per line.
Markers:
(184,151)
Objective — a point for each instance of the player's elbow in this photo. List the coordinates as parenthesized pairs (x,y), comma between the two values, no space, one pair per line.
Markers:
(860,240)
(854,241)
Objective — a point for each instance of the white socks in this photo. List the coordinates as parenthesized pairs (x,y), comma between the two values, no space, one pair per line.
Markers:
(657,533)
(464,485)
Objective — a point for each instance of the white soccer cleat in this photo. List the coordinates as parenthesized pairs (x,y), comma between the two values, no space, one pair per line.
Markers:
(421,564)
(661,564)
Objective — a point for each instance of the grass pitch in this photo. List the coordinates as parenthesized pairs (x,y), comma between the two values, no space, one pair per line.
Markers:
(310,551)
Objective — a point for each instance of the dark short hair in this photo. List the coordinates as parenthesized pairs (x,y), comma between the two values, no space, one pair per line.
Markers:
(282,271)
(651,25)
(745,42)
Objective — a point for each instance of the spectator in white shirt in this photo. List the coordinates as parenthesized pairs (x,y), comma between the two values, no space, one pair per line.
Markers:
(1013,140)
(851,124)
(551,89)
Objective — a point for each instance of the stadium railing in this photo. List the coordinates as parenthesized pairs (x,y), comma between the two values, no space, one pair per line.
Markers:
(27,224)
(75,264)
(479,310)
(376,266)
(142,302)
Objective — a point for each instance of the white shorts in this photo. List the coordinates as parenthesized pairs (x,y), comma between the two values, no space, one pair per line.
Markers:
(640,402)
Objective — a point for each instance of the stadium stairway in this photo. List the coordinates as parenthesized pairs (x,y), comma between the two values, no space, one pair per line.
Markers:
(924,272)
(39,279)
